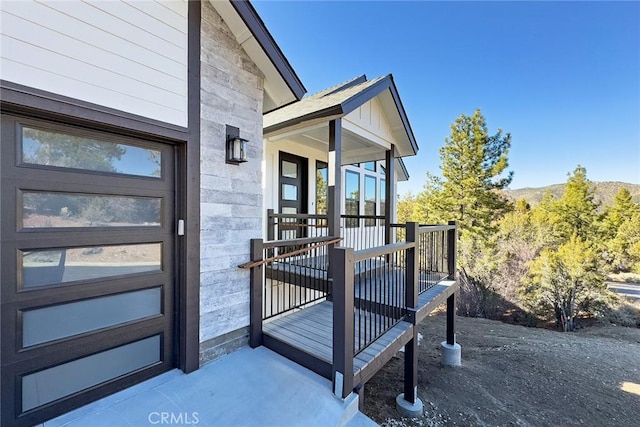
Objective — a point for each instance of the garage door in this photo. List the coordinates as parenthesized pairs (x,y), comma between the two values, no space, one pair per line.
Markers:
(87,265)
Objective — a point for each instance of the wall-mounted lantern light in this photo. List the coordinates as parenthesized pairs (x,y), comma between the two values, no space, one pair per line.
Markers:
(236,146)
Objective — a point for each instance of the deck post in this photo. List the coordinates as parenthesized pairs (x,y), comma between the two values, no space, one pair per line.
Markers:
(451,319)
(334,187)
(452,240)
(271,225)
(411,368)
(255,299)
(451,351)
(343,326)
(408,402)
(413,273)
(451,301)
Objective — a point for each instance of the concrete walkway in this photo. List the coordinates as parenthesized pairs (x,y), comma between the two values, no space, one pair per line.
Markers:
(250,387)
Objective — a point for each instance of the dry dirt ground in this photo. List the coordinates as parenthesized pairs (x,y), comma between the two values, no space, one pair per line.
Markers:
(514,375)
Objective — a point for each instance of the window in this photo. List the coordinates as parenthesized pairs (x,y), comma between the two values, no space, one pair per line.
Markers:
(370,199)
(370,166)
(61,209)
(289,169)
(322,187)
(59,150)
(352,197)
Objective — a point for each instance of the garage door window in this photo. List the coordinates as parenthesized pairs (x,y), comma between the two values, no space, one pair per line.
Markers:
(47,148)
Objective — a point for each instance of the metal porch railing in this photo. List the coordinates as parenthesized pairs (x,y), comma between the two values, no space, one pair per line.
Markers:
(366,307)
(371,290)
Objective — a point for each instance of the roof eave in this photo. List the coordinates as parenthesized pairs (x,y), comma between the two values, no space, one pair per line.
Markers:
(338,110)
(329,113)
(403,168)
(351,104)
(403,115)
(256,26)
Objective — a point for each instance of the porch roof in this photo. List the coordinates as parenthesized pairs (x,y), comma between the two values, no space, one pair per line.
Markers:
(315,111)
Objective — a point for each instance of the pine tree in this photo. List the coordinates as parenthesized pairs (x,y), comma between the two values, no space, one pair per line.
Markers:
(620,211)
(406,208)
(623,250)
(575,213)
(567,282)
(473,165)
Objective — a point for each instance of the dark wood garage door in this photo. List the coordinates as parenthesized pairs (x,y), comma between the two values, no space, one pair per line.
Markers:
(87,265)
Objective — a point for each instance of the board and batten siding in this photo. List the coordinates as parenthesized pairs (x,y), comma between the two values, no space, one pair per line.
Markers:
(126,55)
(231,195)
(369,121)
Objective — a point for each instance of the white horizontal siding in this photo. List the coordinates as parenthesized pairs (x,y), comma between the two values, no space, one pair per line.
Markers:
(130,56)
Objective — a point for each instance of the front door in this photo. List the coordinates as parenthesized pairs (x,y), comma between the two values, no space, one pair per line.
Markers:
(87,265)
(292,195)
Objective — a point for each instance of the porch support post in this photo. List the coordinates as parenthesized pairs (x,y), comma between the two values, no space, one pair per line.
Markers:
(343,326)
(334,175)
(255,297)
(389,194)
(271,225)
(451,351)
(413,272)
(408,403)
(452,240)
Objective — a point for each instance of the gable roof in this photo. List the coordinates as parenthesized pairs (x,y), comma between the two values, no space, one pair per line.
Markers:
(338,101)
(340,86)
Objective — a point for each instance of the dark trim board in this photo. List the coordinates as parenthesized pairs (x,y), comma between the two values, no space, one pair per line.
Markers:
(403,114)
(189,244)
(31,102)
(256,26)
(329,113)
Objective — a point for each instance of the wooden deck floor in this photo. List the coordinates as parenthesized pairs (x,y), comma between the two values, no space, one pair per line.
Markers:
(434,296)
(310,330)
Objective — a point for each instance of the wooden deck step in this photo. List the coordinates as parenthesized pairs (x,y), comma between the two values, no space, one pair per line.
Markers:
(309,330)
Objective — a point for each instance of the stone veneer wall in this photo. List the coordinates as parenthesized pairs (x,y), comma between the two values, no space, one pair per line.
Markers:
(231,196)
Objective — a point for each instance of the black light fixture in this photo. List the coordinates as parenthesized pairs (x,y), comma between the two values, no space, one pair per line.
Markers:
(236,146)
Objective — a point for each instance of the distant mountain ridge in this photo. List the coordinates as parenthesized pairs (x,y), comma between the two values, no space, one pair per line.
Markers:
(604,192)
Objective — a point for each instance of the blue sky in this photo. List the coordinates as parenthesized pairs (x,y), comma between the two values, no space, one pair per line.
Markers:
(562,77)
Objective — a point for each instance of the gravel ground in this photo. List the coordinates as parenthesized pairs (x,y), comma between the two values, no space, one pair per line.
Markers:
(514,375)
